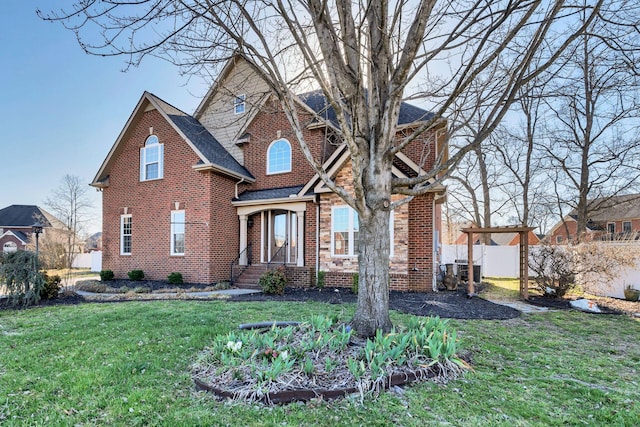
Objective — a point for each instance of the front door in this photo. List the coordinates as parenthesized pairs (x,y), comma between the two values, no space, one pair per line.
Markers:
(280,237)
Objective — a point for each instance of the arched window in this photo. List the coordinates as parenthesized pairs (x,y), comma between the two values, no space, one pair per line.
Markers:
(151,159)
(279,157)
(9,247)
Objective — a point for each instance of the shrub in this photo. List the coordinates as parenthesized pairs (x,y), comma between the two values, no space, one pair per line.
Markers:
(20,276)
(321,280)
(175,279)
(106,275)
(273,281)
(558,269)
(51,287)
(136,275)
(355,279)
(142,290)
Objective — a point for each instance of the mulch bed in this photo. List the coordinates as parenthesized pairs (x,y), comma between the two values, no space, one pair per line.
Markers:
(446,304)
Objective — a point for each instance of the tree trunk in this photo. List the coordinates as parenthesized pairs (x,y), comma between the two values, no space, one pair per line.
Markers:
(372,312)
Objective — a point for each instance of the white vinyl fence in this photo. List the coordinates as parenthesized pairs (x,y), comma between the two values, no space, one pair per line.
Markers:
(92,260)
(503,261)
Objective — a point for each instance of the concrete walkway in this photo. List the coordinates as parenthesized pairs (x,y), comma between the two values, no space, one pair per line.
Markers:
(521,306)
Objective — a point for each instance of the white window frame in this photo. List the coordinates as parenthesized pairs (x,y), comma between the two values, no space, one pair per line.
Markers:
(240,104)
(175,232)
(9,247)
(271,172)
(609,231)
(122,235)
(558,239)
(630,227)
(350,229)
(151,142)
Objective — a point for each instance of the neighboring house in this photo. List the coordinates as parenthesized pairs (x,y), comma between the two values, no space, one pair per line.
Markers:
(93,242)
(615,218)
(231,186)
(16,222)
(499,239)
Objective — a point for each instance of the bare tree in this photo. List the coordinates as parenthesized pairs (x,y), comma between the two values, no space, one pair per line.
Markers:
(593,140)
(364,56)
(70,205)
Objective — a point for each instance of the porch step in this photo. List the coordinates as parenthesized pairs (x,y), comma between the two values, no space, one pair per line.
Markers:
(251,276)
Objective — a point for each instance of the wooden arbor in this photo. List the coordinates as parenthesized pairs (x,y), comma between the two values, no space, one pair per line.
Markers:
(524,253)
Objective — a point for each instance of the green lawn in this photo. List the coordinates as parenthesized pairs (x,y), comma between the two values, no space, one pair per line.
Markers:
(127,364)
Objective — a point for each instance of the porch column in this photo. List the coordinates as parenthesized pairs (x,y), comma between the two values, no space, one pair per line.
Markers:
(301,241)
(243,240)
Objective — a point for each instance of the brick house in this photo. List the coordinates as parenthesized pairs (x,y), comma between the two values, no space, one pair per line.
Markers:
(16,223)
(615,218)
(224,192)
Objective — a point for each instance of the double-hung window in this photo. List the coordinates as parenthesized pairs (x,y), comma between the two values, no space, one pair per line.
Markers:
(345,231)
(626,226)
(151,159)
(177,232)
(239,104)
(125,235)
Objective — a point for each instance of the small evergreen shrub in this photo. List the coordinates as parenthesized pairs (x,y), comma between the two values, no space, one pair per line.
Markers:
(175,278)
(273,281)
(321,280)
(355,278)
(51,288)
(21,278)
(106,275)
(136,275)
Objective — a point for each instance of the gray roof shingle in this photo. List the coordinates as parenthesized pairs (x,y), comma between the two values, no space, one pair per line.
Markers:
(318,103)
(269,194)
(22,216)
(215,153)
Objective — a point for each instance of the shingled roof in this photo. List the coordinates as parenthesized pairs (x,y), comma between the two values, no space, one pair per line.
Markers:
(621,207)
(318,103)
(24,216)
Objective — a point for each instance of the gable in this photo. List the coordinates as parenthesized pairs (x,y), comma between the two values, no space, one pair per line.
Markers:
(17,234)
(341,159)
(211,155)
(216,110)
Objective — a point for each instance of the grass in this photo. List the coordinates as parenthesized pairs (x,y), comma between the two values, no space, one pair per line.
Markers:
(127,364)
(501,288)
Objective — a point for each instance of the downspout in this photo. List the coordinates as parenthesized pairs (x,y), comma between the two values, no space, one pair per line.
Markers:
(317,239)
(435,251)
(238,183)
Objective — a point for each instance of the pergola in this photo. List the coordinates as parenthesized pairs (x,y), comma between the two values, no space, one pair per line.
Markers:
(524,253)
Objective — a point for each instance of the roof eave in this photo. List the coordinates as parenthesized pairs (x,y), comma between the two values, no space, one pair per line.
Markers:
(204,167)
(307,198)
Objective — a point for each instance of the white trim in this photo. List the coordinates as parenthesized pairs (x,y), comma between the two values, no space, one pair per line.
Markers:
(249,207)
(614,227)
(143,159)
(268,156)
(122,217)
(350,230)
(173,232)
(630,226)
(9,232)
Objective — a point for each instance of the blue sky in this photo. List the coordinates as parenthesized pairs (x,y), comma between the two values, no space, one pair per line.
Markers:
(61,110)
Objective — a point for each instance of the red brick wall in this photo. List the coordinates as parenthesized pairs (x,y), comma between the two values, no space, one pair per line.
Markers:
(14,239)
(264,130)
(210,244)
(421,243)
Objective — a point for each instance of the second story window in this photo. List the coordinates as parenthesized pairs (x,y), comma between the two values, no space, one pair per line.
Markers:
(151,159)
(239,104)
(279,157)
